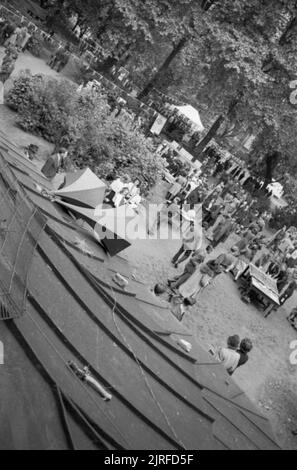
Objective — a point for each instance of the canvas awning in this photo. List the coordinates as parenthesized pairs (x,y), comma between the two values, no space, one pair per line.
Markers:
(111,227)
(192,114)
(82,188)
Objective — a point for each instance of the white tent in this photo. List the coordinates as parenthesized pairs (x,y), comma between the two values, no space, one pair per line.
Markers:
(82,188)
(192,114)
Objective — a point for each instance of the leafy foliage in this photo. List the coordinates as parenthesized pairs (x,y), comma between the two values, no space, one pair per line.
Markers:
(96,138)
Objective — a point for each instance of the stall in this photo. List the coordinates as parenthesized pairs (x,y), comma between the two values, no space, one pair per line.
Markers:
(192,115)
(264,287)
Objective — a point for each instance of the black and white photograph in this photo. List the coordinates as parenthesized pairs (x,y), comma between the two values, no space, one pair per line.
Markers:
(148,228)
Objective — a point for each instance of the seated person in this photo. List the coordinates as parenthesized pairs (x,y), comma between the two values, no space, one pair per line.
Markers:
(134,187)
(116,187)
(212,268)
(228,260)
(273,269)
(177,304)
(121,198)
(134,201)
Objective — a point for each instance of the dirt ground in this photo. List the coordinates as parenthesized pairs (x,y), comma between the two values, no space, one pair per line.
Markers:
(268,378)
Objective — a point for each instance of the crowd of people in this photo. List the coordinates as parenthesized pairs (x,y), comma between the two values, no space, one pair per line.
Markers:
(224,193)
(178,126)
(124,191)
(60,57)
(232,356)
(228,208)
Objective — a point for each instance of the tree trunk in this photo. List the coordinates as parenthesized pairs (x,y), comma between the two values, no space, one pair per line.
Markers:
(209,136)
(104,24)
(179,46)
(216,125)
(271,161)
(82,31)
(285,37)
(76,24)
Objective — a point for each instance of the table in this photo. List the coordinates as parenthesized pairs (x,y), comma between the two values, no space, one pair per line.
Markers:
(265,286)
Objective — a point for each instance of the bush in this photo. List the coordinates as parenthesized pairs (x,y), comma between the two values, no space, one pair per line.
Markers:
(283,216)
(54,110)
(43,107)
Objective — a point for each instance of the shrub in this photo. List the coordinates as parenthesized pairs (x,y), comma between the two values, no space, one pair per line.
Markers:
(83,121)
(283,216)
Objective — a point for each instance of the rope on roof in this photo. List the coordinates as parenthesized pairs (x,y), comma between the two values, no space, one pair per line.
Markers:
(21,225)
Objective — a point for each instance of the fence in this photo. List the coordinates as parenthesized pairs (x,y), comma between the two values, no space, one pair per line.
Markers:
(21,225)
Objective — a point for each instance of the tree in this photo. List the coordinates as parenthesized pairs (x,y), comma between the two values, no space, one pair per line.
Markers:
(237,69)
(183,37)
(84,122)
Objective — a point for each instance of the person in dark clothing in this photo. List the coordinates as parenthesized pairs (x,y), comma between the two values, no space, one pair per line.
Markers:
(293,317)
(6,31)
(194,197)
(282,279)
(288,292)
(190,268)
(245,347)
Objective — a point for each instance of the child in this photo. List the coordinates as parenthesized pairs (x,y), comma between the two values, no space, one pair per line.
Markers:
(229,356)
(245,347)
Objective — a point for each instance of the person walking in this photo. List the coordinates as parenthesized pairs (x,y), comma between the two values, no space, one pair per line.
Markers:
(190,243)
(190,268)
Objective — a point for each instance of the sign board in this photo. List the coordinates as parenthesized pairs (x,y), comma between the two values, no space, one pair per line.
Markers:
(264,283)
(158,124)
(185,155)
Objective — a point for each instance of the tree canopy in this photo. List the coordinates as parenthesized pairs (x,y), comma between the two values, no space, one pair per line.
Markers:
(233,59)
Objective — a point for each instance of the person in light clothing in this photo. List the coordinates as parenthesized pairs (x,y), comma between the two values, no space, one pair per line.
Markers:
(191,241)
(229,356)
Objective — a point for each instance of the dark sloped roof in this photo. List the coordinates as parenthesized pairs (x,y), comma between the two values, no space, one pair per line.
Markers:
(163,398)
